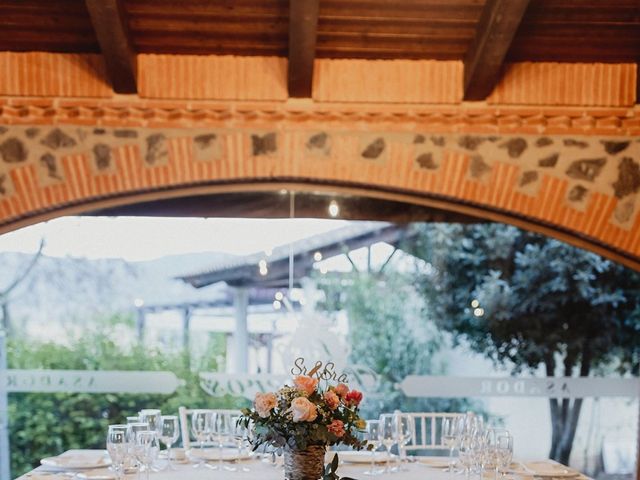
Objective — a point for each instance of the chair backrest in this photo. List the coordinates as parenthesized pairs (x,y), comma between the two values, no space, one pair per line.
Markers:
(428,430)
(185,421)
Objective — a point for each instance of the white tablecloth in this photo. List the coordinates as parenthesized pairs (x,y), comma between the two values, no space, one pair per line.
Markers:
(262,470)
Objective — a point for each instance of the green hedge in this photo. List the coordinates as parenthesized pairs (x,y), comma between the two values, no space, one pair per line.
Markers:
(45,424)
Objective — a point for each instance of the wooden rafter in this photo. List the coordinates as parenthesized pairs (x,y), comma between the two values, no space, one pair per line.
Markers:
(110,25)
(483,62)
(303,23)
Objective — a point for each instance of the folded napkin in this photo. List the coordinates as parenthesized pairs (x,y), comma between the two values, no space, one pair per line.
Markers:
(73,459)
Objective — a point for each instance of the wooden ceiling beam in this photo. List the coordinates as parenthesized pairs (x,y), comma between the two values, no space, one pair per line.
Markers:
(303,27)
(110,24)
(483,62)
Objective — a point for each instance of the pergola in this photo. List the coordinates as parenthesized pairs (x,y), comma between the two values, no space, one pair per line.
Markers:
(521,111)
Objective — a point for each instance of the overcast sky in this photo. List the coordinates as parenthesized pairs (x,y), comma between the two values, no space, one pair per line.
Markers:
(146,238)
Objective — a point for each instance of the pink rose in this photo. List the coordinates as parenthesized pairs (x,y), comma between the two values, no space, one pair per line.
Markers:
(337,428)
(354,397)
(265,402)
(341,389)
(331,399)
(305,384)
(303,410)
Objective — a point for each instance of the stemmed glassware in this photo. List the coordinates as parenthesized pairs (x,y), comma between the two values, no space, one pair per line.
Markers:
(201,427)
(405,433)
(132,430)
(222,432)
(373,438)
(450,434)
(387,435)
(240,434)
(169,433)
(118,448)
(146,449)
(153,417)
(504,451)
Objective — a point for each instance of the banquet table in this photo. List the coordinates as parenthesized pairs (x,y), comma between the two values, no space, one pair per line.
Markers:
(420,468)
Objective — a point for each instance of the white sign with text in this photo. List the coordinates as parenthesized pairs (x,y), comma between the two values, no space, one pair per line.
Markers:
(561,387)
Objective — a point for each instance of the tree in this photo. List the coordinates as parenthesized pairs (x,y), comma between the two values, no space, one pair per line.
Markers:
(526,301)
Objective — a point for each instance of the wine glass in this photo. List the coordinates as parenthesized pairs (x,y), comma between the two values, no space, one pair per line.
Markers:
(118,447)
(201,421)
(222,432)
(240,434)
(132,431)
(146,449)
(405,433)
(504,451)
(169,433)
(450,432)
(153,417)
(387,435)
(373,438)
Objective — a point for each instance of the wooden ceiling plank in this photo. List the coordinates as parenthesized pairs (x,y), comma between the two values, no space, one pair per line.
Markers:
(483,62)
(110,24)
(303,33)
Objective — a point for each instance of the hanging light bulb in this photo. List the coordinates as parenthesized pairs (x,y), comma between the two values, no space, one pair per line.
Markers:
(277,305)
(317,256)
(334,208)
(279,296)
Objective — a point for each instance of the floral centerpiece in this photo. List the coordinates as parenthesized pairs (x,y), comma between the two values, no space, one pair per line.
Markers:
(303,420)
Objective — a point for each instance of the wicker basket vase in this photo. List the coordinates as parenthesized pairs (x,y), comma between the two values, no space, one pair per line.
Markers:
(307,464)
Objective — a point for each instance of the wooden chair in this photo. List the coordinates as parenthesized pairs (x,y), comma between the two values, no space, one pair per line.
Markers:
(185,421)
(428,430)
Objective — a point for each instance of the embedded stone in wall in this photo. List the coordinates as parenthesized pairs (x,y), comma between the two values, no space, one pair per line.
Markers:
(419,139)
(528,178)
(438,140)
(577,194)
(544,142)
(56,138)
(478,167)
(624,211)
(3,188)
(99,131)
(3,130)
(426,161)
(206,147)
(102,156)
(515,146)
(628,181)
(32,132)
(48,161)
(612,147)
(587,169)
(550,161)
(374,150)
(570,142)
(157,150)
(470,142)
(319,144)
(13,150)
(264,144)
(125,133)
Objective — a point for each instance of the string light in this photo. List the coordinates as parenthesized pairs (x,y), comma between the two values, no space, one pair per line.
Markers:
(277,305)
(334,208)
(317,256)
(279,296)
(138,302)
(475,303)
(478,312)
(323,270)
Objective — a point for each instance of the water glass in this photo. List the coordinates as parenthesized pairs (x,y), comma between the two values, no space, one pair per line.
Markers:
(146,449)
(169,434)
(118,448)
(405,434)
(387,435)
(450,435)
(240,434)
(504,451)
(153,417)
(372,435)
(222,432)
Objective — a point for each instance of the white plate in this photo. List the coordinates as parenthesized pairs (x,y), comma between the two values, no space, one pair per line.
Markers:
(213,454)
(433,462)
(543,469)
(78,460)
(354,456)
(97,475)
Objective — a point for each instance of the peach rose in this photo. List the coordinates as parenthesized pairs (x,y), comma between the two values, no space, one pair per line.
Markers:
(265,402)
(354,397)
(337,428)
(341,389)
(303,410)
(332,399)
(305,384)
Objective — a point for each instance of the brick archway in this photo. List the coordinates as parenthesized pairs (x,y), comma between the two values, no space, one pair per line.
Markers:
(551,178)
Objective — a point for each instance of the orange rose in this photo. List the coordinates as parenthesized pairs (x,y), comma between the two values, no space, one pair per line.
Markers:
(303,410)
(331,399)
(305,384)
(265,402)
(337,428)
(341,389)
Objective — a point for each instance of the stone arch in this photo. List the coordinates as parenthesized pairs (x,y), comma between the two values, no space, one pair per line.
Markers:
(580,188)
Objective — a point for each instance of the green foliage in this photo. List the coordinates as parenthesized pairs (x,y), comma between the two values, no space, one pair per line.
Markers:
(389,334)
(44,424)
(331,470)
